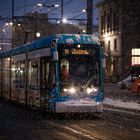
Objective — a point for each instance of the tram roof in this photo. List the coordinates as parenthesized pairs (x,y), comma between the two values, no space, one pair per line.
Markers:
(77,39)
(47,41)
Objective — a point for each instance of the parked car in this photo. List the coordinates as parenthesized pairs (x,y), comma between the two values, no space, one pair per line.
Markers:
(125,83)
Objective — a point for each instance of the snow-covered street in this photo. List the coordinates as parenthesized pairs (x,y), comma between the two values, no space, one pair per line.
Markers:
(122,104)
(17,123)
(121,98)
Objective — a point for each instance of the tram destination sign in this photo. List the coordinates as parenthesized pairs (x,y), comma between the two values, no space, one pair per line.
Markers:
(78,52)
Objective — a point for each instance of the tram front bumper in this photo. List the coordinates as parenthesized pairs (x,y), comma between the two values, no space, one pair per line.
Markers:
(72,107)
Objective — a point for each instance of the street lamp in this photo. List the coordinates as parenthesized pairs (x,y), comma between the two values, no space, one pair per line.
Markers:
(64,20)
(39,4)
(6,36)
(48,6)
(6,24)
(56,5)
(11,23)
(84,10)
(58,22)
(19,24)
(38,34)
(84,31)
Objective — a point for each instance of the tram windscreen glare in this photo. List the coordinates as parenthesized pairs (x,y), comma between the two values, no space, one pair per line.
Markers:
(79,70)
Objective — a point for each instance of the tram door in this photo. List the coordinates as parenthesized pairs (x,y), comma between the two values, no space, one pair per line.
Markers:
(44,83)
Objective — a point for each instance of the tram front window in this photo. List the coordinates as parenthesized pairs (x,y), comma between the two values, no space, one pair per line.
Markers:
(79,71)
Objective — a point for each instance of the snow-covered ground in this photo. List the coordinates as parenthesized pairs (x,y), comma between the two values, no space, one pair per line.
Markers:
(121,98)
(122,104)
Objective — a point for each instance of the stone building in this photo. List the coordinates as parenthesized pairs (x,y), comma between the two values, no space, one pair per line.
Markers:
(119,31)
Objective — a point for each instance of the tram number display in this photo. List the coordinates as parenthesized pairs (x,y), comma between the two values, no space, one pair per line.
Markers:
(76,52)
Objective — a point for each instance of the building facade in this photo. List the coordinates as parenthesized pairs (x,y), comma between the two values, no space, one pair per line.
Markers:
(119,33)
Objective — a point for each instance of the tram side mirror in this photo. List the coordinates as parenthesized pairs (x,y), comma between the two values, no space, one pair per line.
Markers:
(55,55)
(104,63)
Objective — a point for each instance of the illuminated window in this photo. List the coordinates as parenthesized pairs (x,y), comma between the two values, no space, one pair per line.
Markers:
(136,51)
(110,19)
(135,60)
(108,45)
(108,22)
(102,24)
(33,74)
(115,44)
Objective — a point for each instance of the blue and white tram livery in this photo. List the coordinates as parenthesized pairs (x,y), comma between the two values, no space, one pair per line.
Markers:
(60,73)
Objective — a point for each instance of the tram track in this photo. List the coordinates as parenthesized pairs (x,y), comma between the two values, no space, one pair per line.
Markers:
(78,130)
(32,125)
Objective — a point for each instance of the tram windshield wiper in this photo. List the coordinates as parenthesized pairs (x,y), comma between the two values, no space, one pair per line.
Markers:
(88,82)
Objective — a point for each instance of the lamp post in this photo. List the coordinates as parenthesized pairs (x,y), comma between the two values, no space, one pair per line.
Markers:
(62,15)
(38,34)
(12,23)
(89,16)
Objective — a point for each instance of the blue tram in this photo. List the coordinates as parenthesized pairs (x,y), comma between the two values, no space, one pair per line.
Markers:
(60,73)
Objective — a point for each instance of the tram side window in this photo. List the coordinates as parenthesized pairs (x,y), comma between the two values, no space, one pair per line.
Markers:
(22,74)
(48,74)
(6,74)
(33,74)
(52,74)
(13,74)
(45,66)
(18,74)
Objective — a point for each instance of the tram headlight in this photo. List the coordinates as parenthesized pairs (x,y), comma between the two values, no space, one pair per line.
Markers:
(89,90)
(65,90)
(70,90)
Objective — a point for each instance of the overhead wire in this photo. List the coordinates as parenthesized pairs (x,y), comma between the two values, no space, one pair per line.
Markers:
(78,15)
(52,9)
(66,3)
(56,8)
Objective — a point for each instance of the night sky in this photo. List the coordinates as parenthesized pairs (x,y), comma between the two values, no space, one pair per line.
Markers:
(72,8)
